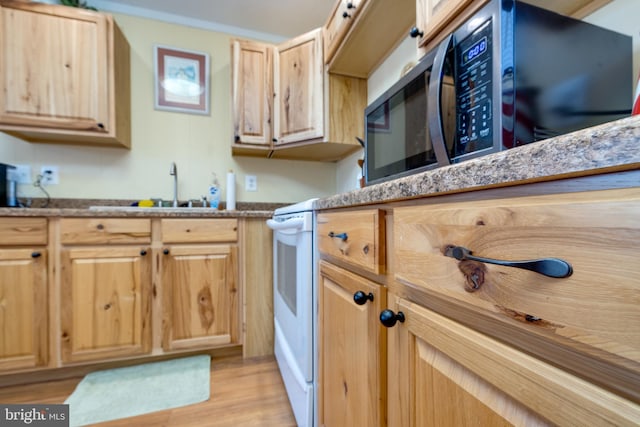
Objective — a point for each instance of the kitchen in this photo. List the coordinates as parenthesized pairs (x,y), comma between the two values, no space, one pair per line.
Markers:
(106,173)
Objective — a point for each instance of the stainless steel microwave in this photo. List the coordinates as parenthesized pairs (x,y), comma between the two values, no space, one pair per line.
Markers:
(512,74)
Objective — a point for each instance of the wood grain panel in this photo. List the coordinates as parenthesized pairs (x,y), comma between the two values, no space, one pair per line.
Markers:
(596,232)
(365,242)
(352,364)
(182,230)
(257,273)
(85,231)
(494,383)
(252,92)
(200,296)
(23,231)
(105,298)
(23,309)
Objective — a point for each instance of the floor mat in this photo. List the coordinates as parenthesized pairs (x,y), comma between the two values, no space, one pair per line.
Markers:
(141,389)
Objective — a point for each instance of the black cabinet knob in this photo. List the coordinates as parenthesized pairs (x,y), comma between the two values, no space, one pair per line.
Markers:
(361,298)
(415,32)
(166,252)
(350,5)
(388,318)
(345,15)
(143,252)
(35,254)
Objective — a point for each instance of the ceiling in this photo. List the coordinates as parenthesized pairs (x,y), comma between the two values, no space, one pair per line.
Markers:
(272,20)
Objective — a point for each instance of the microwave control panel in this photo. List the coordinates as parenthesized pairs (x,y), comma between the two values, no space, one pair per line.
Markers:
(474,73)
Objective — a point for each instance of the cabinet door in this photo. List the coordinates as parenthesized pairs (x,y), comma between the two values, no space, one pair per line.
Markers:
(23,308)
(105,302)
(298,87)
(433,15)
(338,24)
(53,67)
(444,374)
(200,296)
(351,357)
(251,92)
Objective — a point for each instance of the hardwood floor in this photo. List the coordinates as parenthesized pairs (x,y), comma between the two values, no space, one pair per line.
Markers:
(244,392)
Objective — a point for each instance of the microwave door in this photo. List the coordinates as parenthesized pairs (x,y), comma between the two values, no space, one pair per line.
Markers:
(441,105)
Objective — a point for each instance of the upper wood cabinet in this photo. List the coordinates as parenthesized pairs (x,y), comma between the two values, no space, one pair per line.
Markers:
(302,112)
(362,41)
(298,89)
(343,15)
(252,93)
(23,293)
(64,75)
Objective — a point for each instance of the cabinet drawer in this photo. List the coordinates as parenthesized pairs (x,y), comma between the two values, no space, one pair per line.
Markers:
(82,231)
(23,231)
(593,313)
(356,237)
(199,230)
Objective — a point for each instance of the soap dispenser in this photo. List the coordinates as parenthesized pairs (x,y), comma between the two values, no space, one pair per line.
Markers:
(214,192)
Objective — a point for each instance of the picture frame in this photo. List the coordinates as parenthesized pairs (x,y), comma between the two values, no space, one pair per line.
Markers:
(181,80)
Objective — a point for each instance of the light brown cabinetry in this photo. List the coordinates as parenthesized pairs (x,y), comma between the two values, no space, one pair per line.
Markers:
(343,15)
(352,340)
(23,293)
(64,75)
(304,113)
(443,373)
(200,283)
(352,364)
(105,291)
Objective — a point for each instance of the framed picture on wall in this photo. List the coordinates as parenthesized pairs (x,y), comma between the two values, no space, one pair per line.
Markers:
(181,80)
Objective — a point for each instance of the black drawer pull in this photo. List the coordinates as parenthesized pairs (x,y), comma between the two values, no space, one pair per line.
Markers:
(388,318)
(342,236)
(551,267)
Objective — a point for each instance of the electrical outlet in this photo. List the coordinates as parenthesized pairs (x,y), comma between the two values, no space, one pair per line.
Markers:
(22,174)
(49,175)
(251,183)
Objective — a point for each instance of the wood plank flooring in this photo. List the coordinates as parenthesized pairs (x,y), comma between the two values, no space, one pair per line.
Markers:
(244,392)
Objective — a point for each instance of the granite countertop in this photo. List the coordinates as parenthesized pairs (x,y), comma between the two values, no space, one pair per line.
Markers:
(610,147)
(122,209)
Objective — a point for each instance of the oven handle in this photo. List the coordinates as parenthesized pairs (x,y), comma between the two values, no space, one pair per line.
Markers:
(290,224)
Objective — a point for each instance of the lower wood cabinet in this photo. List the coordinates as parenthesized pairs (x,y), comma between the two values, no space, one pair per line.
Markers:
(23,308)
(442,373)
(200,296)
(351,380)
(23,293)
(105,302)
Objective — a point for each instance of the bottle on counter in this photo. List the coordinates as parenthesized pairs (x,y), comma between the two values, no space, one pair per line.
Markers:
(214,192)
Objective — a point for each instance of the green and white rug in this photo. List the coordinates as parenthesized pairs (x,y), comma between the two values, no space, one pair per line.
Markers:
(135,390)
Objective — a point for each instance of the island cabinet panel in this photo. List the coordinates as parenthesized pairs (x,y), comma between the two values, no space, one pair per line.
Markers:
(105,302)
(357,238)
(587,323)
(23,307)
(200,296)
(444,374)
(352,366)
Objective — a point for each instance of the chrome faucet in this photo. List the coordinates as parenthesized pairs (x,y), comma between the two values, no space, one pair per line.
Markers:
(174,172)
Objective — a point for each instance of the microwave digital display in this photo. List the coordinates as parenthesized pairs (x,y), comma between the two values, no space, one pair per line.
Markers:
(474,51)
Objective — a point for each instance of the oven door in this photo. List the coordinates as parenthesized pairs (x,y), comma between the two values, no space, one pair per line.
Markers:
(293,277)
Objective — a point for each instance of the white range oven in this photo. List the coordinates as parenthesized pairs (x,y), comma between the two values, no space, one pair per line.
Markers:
(295,305)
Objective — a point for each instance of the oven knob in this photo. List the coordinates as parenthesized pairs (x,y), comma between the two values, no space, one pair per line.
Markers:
(361,298)
(388,318)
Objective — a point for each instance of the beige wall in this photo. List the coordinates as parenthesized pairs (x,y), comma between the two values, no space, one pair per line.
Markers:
(199,145)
